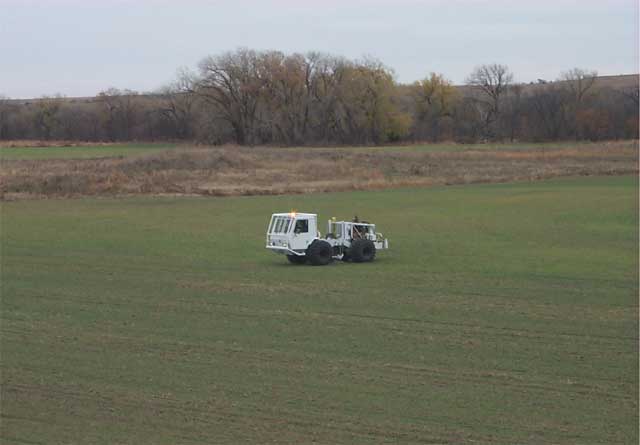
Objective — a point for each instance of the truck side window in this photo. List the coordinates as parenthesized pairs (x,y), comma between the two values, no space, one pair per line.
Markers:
(302,226)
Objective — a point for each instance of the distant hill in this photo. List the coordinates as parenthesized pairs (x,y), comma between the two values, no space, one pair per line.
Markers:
(618,82)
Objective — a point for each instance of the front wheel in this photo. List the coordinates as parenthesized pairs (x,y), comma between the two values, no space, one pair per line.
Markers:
(320,253)
(362,251)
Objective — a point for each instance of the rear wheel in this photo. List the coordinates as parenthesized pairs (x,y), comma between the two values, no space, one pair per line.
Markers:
(319,253)
(297,259)
(362,251)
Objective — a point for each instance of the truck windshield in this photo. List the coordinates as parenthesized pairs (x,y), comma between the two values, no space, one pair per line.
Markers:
(281,224)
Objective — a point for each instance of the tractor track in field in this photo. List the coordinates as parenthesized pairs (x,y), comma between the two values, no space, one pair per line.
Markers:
(185,351)
(439,377)
(168,408)
(496,331)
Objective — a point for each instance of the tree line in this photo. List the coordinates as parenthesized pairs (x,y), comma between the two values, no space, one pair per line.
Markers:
(252,97)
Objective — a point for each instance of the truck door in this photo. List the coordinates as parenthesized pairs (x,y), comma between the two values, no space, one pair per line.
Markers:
(303,233)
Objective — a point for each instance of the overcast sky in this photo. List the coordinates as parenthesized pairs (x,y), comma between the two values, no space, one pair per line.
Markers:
(78,48)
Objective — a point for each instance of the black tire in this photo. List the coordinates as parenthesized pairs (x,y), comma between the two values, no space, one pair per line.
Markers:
(297,259)
(320,253)
(362,251)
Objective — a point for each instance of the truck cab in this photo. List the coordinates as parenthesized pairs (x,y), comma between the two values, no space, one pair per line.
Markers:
(292,233)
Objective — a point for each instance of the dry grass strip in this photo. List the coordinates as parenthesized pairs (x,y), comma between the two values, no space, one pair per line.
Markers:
(223,171)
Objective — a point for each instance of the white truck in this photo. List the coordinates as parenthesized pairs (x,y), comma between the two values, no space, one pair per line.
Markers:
(296,235)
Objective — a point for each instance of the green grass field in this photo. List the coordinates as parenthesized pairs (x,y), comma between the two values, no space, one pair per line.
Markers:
(82,152)
(134,149)
(503,314)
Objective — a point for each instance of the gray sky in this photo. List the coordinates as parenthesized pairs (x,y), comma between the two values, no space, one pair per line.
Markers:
(80,47)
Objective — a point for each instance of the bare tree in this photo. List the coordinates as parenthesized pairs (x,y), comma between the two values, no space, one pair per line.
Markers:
(5,108)
(632,93)
(549,112)
(433,100)
(512,112)
(284,96)
(46,118)
(327,76)
(232,83)
(177,103)
(109,112)
(579,82)
(71,121)
(120,112)
(129,107)
(492,81)
(365,109)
